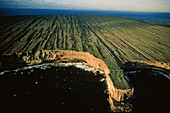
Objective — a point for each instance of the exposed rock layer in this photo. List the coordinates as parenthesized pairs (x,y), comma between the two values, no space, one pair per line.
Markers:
(43,56)
(151,90)
(139,64)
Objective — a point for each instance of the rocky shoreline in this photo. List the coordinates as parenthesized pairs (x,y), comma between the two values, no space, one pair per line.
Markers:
(51,88)
(20,60)
(115,99)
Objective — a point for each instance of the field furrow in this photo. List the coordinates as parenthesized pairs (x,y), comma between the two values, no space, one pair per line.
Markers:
(114,39)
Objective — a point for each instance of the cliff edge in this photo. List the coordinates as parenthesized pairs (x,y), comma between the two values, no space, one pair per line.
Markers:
(58,56)
(140,64)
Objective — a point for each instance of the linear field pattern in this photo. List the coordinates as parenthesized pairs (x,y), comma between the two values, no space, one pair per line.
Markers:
(115,40)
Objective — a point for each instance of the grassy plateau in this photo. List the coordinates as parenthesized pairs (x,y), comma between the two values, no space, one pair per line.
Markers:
(115,40)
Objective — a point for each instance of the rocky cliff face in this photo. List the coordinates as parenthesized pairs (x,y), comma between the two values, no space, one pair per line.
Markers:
(157,66)
(118,97)
(151,82)
(59,56)
(46,56)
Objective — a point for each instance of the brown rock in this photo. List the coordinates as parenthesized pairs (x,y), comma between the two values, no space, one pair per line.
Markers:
(55,56)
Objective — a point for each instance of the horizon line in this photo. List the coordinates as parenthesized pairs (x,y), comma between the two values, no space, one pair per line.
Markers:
(84,9)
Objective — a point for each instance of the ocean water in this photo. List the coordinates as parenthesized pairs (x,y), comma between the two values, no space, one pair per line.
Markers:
(13,12)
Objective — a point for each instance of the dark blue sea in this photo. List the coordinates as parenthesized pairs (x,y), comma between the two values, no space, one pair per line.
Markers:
(13,12)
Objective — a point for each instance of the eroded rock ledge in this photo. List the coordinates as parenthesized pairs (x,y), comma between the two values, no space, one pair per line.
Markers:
(151,81)
(46,56)
(58,56)
(139,64)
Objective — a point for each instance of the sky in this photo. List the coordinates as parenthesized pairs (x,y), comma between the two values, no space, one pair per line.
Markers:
(120,5)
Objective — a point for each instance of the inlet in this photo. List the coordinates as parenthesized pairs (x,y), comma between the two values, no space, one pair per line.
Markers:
(151,90)
(49,88)
(79,82)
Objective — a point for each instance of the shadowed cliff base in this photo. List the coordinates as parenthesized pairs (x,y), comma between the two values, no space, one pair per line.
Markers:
(162,68)
(53,89)
(117,96)
(151,82)
(151,91)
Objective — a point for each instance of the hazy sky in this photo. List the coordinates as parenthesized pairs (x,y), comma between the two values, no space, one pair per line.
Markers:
(126,5)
